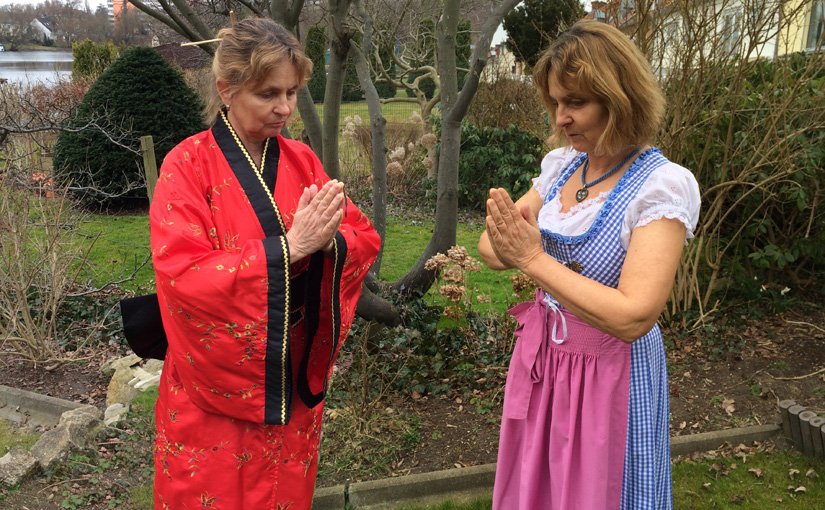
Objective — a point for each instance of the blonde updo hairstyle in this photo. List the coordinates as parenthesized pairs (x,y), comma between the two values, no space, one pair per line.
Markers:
(248,52)
(598,59)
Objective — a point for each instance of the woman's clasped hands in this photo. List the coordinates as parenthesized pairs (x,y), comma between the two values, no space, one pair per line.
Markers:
(513,232)
(317,218)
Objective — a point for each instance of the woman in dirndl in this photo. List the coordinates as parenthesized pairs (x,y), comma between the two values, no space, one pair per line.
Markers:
(585,420)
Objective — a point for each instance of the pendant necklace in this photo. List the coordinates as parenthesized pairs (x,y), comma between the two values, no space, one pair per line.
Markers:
(583,192)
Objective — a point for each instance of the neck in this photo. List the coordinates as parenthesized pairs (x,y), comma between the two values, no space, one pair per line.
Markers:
(254,148)
(603,163)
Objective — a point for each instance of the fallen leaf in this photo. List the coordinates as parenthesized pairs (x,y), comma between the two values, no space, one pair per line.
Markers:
(756,472)
(811,474)
(801,488)
(793,472)
(683,425)
(416,395)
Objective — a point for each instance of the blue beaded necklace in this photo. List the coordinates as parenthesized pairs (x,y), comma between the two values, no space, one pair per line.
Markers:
(583,192)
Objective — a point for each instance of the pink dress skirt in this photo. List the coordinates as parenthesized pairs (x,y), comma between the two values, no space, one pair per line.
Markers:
(564,429)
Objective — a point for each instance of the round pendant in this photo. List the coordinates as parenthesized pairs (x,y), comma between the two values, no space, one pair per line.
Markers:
(582,194)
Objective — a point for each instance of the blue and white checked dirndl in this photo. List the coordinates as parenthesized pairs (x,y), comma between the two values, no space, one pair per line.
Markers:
(646,482)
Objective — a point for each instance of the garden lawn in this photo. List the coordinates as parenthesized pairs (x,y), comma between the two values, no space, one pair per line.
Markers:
(121,244)
(780,479)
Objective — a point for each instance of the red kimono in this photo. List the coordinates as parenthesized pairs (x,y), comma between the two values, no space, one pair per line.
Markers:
(252,337)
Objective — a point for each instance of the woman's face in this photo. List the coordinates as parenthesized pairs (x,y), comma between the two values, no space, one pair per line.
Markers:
(261,111)
(580,115)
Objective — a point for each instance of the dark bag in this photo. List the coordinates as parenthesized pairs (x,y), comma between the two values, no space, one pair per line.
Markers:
(143,326)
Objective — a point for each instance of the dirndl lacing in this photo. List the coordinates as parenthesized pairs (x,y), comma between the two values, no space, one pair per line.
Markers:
(531,350)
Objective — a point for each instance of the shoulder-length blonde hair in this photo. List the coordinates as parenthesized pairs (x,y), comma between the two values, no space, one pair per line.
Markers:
(247,54)
(602,61)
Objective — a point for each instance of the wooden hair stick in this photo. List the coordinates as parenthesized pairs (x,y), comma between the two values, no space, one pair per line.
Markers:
(231,20)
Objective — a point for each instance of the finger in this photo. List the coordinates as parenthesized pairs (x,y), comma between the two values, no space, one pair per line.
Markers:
(501,199)
(527,214)
(305,199)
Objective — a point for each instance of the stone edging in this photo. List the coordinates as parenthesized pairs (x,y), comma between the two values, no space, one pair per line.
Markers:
(474,482)
(420,489)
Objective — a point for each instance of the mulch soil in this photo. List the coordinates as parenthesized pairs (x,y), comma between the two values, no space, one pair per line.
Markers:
(773,358)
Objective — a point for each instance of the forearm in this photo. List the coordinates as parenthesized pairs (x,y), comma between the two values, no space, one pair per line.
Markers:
(605,308)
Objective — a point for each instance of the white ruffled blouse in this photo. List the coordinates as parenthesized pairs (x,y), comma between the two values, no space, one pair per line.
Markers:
(671,192)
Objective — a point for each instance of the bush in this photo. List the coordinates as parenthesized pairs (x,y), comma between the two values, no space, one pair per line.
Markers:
(505,101)
(494,157)
(90,59)
(315,47)
(139,94)
(352,87)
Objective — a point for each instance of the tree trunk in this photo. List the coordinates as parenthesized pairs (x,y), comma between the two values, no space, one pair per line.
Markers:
(378,128)
(339,42)
(454,108)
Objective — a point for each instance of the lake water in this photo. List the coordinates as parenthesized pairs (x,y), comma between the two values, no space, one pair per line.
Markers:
(35,66)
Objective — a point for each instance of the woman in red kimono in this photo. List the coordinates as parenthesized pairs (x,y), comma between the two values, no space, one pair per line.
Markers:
(259,260)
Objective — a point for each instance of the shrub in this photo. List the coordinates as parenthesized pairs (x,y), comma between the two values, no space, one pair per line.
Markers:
(315,47)
(139,94)
(494,157)
(352,88)
(505,101)
(90,59)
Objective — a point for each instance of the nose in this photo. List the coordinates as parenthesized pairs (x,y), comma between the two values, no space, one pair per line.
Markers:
(281,107)
(562,116)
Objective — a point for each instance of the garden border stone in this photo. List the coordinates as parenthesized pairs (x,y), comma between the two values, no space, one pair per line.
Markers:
(424,488)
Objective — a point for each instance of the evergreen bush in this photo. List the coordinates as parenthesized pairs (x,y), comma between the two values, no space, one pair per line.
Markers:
(495,158)
(315,50)
(139,94)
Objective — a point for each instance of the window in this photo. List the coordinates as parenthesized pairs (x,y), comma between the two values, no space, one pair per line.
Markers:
(815,26)
(731,32)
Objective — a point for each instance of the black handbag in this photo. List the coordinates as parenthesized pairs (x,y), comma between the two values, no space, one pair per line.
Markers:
(143,326)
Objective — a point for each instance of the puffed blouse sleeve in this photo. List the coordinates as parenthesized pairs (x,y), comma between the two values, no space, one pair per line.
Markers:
(551,166)
(670,192)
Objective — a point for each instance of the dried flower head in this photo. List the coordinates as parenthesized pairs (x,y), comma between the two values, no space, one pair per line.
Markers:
(458,254)
(437,262)
(428,163)
(357,120)
(453,312)
(428,140)
(452,292)
(395,169)
(522,282)
(454,274)
(347,119)
(410,148)
(416,117)
(398,154)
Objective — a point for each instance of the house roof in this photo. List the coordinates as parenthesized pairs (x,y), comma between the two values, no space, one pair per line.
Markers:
(185,57)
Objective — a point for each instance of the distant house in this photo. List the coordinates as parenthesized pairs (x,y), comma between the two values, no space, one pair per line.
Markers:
(502,63)
(42,28)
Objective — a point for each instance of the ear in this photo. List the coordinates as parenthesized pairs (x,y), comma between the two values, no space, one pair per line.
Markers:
(223,90)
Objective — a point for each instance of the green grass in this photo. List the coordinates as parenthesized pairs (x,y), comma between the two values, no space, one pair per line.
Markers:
(780,479)
(406,239)
(478,504)
(11,436)
(123,242)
